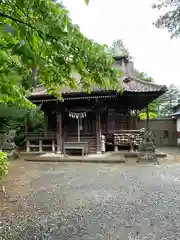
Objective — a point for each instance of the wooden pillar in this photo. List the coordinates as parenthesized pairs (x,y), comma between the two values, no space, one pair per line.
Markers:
(133,115)
(59,132)
(40,145)
(28,146)
(136,120)
(98,133)
(147,120)
(45,124)
(129,120)
(53,146)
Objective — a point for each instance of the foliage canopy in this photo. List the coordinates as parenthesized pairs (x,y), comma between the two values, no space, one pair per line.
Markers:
(170,17)
(118,49)
(39,43)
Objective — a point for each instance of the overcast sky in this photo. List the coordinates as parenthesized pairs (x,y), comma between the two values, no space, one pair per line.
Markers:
(152,49)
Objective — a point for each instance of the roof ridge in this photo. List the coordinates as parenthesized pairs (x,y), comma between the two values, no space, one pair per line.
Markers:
(145,82)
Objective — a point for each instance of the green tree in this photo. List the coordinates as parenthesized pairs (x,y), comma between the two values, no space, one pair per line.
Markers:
(153,111)
(143,76)
(39,43)
(168,100)
(170,17)
(119,49)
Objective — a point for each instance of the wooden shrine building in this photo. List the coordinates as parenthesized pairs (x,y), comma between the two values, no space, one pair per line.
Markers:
(82,122)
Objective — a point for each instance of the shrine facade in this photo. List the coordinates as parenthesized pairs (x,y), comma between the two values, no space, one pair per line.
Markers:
(92,123)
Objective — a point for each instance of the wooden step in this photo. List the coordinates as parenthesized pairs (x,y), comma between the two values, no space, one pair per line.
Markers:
(90,139)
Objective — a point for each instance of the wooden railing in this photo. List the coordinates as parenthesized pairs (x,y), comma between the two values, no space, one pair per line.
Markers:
(41,141)
(119,138)
(40,135)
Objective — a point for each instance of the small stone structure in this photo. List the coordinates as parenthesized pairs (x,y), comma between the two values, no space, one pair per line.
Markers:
(147,149)
(7,144)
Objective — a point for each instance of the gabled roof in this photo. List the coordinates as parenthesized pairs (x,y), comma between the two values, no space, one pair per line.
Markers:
(129,84)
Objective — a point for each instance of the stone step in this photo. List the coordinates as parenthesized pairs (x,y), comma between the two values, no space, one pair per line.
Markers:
(88,159)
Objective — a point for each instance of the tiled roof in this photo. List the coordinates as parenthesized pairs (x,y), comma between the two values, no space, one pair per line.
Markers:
(176,113)
(129,84)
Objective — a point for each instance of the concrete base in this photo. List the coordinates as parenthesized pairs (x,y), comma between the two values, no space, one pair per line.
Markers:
(158,153)
(109,157)
(99,153)
(73,159)
(59,153)
(145,160)
(97,158)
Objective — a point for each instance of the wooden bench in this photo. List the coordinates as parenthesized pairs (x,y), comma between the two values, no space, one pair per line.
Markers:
(83,146)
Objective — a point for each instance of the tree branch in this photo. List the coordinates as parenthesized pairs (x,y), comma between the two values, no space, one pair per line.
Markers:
(40,33)
(27,24)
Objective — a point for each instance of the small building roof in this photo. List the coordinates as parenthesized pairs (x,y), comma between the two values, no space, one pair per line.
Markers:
(176,114)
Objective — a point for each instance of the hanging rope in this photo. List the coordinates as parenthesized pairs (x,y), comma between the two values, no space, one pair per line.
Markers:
(79,115)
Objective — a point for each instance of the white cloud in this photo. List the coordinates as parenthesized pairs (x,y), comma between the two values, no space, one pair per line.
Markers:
(153,50)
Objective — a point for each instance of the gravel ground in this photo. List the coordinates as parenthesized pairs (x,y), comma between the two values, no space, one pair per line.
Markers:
(63,201)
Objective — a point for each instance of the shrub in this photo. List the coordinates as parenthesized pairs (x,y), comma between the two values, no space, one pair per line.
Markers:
(3,165)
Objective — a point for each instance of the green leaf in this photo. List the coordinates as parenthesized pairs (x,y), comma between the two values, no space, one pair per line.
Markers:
(169,16)
(3,165)
(46,38)
(86,1)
